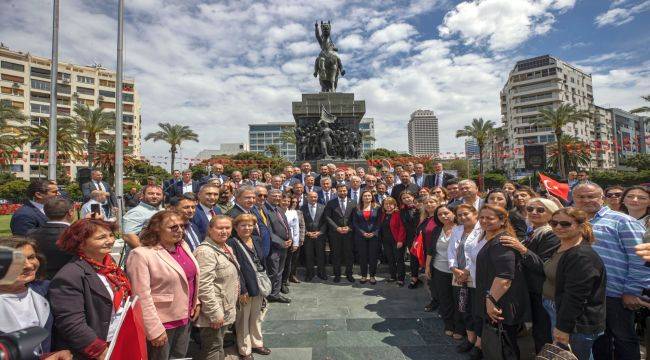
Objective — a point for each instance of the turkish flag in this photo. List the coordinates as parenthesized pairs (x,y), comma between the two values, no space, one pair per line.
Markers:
(131,341)
(555,188)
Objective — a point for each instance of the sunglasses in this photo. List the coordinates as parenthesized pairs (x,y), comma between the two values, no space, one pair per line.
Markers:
(564,224)
(261,196)
(539,210)
(177,227)
(614,195)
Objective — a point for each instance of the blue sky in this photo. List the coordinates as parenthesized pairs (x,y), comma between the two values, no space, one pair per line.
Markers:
(219,65)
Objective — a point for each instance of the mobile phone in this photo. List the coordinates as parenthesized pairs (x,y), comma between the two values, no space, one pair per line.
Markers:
(94,209)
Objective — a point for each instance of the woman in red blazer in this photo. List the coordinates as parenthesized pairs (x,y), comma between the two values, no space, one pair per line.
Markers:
(392,235)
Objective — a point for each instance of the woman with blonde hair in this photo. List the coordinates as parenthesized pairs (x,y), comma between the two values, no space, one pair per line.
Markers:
(165,276)
(575,280)
(252,302)
(538,247)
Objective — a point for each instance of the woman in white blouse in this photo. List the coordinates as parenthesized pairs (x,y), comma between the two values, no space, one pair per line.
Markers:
(293,219)
(464,245)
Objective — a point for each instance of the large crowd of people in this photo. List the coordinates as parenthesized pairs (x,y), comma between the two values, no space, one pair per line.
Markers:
(205,257)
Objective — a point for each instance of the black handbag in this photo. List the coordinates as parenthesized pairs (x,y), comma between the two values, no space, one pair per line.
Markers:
(495,343)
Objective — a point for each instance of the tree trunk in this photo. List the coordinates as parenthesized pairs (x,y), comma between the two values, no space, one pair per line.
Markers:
(480,167)
(91,151)
(560,155)
(173,151)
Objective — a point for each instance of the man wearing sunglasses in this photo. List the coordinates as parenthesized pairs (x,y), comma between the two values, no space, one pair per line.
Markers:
(616,236)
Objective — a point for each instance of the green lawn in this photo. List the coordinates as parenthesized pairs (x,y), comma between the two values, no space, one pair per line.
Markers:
(4,225)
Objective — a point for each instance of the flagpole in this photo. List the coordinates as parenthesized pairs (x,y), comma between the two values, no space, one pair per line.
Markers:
(119,141)
(54,70)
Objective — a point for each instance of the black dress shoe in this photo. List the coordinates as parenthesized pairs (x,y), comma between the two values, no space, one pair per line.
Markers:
(350,278)
(475,354)
(284,289)
(262,350)
(322,276)
(278,299)
(337,279)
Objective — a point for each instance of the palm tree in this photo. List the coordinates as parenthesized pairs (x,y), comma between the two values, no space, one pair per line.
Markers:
(558,119)
(9,113)
(92,122)
(576,153)
(274,150)
(105,156)
(642,109)
(288,136)
(174,135)
(9,139)
(480,130)
(68,143)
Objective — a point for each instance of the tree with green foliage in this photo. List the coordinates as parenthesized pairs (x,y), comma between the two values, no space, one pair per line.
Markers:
(380,153)
(74,191)
(10,140)
(90,123)
(638,161)
(480,131)
(105,156)
(557,120)
(576,154)
(288,136)
(68,143)
(14,190)
(140,170)
(174,135)
(273,150)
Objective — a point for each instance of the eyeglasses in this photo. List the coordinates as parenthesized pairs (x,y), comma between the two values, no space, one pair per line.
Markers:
(539,210)
(261,196)
(564,224)
(177,227)
(614,195)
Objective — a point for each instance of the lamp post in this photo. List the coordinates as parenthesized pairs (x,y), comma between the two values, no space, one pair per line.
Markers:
(119,141)
(54,70)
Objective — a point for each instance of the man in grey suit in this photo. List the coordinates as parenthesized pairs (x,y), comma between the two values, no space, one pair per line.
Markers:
(280,241)
(96,183)
(338,214)
(469,191)
(315,232)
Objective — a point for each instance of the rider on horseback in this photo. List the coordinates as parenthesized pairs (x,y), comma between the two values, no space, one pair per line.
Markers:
(328,64)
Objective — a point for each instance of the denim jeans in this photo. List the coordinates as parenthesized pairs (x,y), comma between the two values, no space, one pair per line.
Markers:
(581,344)
(549,305)
(620,340)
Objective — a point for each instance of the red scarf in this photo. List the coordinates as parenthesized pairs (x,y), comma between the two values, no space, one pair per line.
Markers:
(116,278)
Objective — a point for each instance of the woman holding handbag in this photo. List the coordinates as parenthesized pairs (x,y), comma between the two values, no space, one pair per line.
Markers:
(218,287)
(426,228)
(252,301)
(500,285)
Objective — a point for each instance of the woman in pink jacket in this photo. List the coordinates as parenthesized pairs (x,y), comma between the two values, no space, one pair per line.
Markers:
(164,274)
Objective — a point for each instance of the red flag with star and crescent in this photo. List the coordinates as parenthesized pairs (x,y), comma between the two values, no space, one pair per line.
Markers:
(555,188)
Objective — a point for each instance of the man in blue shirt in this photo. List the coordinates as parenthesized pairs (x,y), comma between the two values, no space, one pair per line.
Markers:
(616,236)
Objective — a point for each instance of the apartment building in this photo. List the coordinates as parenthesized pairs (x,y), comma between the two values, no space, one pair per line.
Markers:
(631,134)
(25,85)
(546,82)
(260,136)
(423,136)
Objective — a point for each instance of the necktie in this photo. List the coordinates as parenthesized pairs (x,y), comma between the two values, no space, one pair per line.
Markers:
(438,176)
(212,213)
(263,217)
(327,197)
(284,223)
(354,195)
(342,202)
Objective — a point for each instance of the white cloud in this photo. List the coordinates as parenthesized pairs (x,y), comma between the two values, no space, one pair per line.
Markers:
(621,15)
(501,24)
(623,87)
(350,42)
(392,33)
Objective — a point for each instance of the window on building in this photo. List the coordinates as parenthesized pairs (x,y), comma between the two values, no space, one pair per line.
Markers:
(16,79)
(12,66)
(85,91)
(41,73)
(16,168)
(85,79)
(107,93)
(127,118)
(127,97)
(106,83)
(40,108)
(40,85)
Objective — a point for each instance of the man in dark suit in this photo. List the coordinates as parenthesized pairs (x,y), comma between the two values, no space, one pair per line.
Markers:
(244,201)
(305,169)
(208,196)
(298,192)
(32,215)
(324,172)
(169,186)
(338,214)
(263,225)
(326,193)
(280,241)
(354,191)
(96,183)
(60,214)
(419,178)
(185,204)
(289,180)
(217,172)
(404,185)
(254,178)
(315,233)
(310,184)
(339,178)
(186,184)
(440,177)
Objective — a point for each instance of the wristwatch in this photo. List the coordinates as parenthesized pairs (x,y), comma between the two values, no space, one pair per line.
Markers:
(491,298)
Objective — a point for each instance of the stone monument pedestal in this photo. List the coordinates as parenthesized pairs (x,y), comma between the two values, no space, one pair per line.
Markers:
(332,116)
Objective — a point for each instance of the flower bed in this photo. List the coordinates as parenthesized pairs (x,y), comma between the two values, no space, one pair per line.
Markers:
(8,209)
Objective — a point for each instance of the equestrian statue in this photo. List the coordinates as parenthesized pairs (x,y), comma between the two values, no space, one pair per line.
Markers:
(327,66)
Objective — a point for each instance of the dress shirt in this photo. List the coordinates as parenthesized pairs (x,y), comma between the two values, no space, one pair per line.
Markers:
(208,211)
(419,180)
(192,237)
(438,178)
(39,206)
(327,195)
(86,209)
(294,226)
(135,219)
(342,205)
(99,185)
(354,194)
(187,187)
(312,210)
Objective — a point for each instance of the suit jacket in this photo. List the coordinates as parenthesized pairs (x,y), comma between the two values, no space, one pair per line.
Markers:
(360,190)
(46,237)
(299,177)
(82,308)
(264,230)
(178,187)
(201,221)
(27,217)
(235,211)
(207,178)
(336,217)
(279,232)
(426,180)
(321,196)
(397,190)
(169,187)
(445,179)
(314,188)
(190,242)
(161,284)
(318,222)
(249,182)
(248,278)
(88,187)
(360,224)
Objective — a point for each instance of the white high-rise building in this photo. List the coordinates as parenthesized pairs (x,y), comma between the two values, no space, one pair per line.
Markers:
(423,133)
